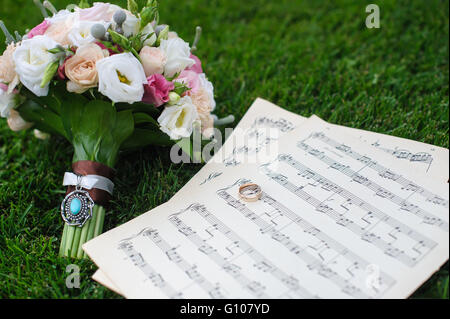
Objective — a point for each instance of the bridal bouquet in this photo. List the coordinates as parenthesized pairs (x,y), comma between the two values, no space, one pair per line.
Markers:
(106,79)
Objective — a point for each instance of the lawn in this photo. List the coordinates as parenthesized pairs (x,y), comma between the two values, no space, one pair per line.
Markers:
(311,57)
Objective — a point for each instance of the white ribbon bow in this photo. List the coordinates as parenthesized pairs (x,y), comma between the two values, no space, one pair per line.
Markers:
(88,182)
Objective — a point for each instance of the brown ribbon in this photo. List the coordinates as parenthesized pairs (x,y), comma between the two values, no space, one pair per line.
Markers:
(83,168)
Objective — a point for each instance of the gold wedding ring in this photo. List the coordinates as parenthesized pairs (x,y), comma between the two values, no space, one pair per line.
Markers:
(250,192)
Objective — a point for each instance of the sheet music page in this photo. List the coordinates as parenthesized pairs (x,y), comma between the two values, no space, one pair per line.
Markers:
(430,160)
(100,277)
(263,124)
(260,128)
(332,222)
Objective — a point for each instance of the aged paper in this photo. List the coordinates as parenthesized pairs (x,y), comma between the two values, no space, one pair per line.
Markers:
(425,159)
(255,139)
(261,125)
(102,279)
(337,219)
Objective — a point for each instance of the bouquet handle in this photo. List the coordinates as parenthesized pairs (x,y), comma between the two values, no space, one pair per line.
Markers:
(83,209)
(74,237)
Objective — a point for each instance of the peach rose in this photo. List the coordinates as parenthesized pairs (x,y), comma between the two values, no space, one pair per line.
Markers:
(16,122)
(59,31)
(153,60)
(7,68)
(81,68)
(202,102)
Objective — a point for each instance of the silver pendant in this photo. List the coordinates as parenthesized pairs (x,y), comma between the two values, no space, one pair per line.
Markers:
(76,208)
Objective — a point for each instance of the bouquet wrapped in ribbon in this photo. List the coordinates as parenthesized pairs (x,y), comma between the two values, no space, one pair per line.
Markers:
(106,79)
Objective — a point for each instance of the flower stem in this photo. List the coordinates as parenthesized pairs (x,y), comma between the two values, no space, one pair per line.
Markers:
(75,242)
(63,241)
(83,239)
(74,237)
(100,221)
(69,240)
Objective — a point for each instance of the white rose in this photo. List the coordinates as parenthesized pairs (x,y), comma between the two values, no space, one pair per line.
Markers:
(178,56)
(177,120)
(145,32)
(209,88)
(31,59)
(7,101)
(81,33)
(121,78)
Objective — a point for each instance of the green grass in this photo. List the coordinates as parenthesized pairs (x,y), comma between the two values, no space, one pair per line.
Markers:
(312,57)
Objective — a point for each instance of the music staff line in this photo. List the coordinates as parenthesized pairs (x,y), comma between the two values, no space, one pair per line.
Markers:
(261,138)
(363,233)
(427,218)
(139,261)
(233,270)
(380,169)
(282,124)
(419,157)
(313,263)
(255,288)
(189,269)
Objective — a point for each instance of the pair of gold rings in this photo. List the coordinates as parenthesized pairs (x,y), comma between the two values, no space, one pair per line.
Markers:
(250,192)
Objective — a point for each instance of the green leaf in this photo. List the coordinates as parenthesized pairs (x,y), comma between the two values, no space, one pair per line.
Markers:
(140,118)
(70,103)
(143,137)
(43,118)
(163,35)
(84,4)
(120,39)
(139,107)
(97,130)
(132,50)
(180,88)
(57,50)
(49,73)
(132,7)
(110,46)
(148,14)
(48,101)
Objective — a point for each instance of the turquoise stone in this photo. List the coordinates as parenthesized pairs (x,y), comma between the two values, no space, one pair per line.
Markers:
(75,206)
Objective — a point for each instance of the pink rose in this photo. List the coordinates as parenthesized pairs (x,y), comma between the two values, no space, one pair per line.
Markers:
(157,90)
(190,79)
(39,29)
(197,67)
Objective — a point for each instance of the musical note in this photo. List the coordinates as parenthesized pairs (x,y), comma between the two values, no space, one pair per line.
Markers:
(323,244)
